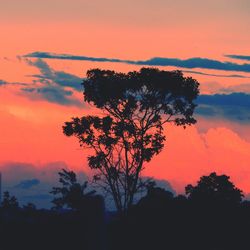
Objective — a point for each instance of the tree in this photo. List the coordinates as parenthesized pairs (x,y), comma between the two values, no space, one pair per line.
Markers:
(9,202)
(129,132)
(156,197)
(214,189)
(72,194)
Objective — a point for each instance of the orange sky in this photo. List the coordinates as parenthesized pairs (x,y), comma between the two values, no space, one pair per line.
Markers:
(30,128)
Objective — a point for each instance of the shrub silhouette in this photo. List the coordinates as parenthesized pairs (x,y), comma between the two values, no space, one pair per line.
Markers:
(9,202)
(72,194)
(214,189)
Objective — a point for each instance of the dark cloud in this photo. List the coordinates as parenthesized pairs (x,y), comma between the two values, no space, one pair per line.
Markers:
(68,80)
(27,184)
(38,197)
(234,106)
(52,85)
(215,75)
(234,99)
(190,63)
(240,57)
(3,82)
(47,55)
(52,94)
(196,63)
(47,74)
(42,66)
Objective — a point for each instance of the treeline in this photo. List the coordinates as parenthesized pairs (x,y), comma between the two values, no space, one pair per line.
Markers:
(30,228)
(211,216)
(76,221)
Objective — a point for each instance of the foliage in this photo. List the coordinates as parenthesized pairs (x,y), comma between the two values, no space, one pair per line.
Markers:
(9,202)
(72,194)
(214,188)
(135,106)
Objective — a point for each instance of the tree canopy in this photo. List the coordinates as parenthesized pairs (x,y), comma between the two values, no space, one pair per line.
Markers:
(214,189)
(71,194)
(135,106)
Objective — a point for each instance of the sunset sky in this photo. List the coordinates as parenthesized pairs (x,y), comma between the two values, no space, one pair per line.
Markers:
(48,45)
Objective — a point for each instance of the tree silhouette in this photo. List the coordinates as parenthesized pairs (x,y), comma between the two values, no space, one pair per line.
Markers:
(72,194)
(156,197)
(9,202)
(214,188)
(135,106)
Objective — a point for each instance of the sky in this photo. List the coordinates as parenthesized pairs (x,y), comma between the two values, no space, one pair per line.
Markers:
(48,45)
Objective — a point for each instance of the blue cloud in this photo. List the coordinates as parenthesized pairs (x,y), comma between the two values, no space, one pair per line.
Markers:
(234,99)
(37,184)
(190,63)
(54,94)
(38,197)
(47,74)
(48,55)
(234,106)
(215,75)
(240,57)
(54,84)
(3,82)
(27,184)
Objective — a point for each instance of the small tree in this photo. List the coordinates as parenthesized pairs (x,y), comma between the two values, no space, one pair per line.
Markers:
(214,189)
(72,194)
(9,202)
(135,106)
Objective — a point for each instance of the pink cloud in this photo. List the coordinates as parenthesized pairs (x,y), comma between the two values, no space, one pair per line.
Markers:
(189,154)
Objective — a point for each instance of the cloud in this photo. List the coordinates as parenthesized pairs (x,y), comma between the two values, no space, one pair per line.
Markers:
(48,55)
(53,86)
(47,74)
(212,88)
(50,85)
(243,88)
(27,184)
(38,197)
(215,75)
(234,99)
(234,106)
(3,82)
(196,62)
(190,63)
(240,57)
(189,154)
(54,94)
(32,183)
